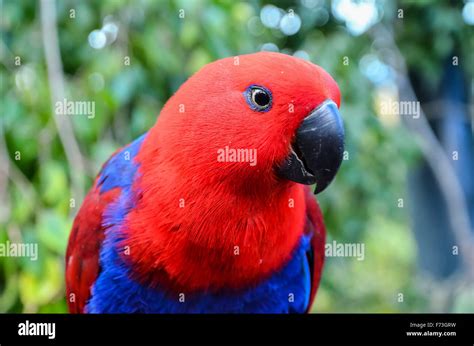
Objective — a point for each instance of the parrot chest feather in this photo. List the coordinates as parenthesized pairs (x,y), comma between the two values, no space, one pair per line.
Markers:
(117,289)
(284,292)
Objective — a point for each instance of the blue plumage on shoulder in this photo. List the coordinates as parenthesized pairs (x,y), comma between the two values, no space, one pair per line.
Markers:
(120,169)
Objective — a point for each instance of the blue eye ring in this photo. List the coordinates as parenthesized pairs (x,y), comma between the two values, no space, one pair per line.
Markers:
(258,98)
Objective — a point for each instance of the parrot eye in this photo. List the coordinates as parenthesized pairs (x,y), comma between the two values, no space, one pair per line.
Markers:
(259,98)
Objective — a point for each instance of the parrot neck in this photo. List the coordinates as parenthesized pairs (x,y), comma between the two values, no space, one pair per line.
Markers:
(194,233)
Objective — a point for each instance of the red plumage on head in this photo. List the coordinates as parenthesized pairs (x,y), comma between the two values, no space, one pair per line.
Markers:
(228,223)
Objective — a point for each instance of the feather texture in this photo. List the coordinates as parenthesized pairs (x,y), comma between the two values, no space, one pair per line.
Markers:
(169,228)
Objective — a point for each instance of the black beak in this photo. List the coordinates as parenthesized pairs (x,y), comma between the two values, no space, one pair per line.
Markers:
(318,148)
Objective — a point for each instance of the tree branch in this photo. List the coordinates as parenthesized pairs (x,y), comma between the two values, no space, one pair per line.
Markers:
(57,88)
(435,156)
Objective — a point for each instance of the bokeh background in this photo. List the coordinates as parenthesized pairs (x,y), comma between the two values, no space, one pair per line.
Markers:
(405,190)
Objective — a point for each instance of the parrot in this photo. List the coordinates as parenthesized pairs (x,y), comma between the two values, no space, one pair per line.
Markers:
(212,209)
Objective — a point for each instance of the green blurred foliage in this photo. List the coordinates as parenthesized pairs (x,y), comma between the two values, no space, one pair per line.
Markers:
(360,206)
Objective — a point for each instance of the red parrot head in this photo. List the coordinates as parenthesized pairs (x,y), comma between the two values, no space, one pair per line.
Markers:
(263,117)
(223,161)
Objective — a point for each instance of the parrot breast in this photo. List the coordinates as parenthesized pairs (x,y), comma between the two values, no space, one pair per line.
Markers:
(117,289)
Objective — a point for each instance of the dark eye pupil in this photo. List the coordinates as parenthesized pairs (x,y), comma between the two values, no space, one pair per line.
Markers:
(258,98)
(261,98)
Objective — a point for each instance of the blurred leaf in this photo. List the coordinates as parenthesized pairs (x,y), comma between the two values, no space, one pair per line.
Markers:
(53,231)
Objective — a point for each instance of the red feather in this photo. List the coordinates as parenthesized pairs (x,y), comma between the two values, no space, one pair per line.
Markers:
(195,211)
(317,242)
(82,255)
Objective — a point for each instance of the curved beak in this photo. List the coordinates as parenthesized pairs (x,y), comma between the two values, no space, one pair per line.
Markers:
(317,151)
